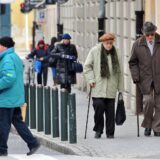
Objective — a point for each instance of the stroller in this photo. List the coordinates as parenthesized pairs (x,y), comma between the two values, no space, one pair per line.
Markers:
(29,72)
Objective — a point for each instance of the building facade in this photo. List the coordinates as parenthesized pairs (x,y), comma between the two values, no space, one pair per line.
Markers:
(80,19)
(21,26)
(5,20)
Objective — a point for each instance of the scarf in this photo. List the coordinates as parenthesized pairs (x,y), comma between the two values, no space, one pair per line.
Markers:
(105,73)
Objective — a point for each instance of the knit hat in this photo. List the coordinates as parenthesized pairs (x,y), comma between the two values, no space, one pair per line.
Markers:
(66,36)
(149,27)
(107,36)
(7,42)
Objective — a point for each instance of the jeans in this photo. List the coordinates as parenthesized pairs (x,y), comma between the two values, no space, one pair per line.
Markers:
(44,73)
(13,116)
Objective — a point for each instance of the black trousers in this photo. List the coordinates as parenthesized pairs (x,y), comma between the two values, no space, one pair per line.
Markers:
(13,116)
(104,106)
(43,72)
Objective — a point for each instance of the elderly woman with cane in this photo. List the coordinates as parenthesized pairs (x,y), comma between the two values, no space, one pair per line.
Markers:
(103,72)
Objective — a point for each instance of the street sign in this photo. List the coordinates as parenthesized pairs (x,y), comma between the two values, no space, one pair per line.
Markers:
(35,2)
(6,1)
(50,2)
(41,16)
(62,1)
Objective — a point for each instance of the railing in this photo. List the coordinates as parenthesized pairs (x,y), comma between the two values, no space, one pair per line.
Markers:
(51,113)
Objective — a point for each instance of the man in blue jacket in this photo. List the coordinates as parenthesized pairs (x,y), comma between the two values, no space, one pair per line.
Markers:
(12,97)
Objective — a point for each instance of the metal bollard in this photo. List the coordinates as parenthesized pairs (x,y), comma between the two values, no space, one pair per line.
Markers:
(32,109)
(72,119)
(39,108)
(64,120)
(55,112)
(26,90)
(47,111)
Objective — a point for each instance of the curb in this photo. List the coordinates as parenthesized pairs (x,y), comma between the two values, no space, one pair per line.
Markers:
(47,142)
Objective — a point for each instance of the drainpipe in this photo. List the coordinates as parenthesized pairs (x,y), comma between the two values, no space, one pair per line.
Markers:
(101,18)
(139,17)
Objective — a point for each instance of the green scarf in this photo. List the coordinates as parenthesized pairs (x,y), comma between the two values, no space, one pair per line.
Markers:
(105,73)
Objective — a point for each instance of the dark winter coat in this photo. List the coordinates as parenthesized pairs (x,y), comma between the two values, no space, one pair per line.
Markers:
(39,53)
(146,68)
(64,76)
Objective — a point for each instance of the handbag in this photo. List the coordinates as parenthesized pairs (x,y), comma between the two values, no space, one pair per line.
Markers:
(51,61)
(120,111)
(77,67)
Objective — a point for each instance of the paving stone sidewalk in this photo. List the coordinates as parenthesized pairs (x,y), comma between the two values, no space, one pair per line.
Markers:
(126,144)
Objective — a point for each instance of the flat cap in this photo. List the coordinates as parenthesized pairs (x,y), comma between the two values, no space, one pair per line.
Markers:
(107,36)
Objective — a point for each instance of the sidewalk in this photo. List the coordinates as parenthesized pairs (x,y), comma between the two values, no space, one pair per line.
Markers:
(126,144)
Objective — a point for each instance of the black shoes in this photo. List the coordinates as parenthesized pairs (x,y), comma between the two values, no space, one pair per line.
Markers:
(33,150)
(147,132)
(110,136)
(4,154)
(97,134)
(157,134)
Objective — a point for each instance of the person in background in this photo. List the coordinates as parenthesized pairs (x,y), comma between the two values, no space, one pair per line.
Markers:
(12,97)
(41,54)
(103,72)
(51,47)
(145,70)
(63,54)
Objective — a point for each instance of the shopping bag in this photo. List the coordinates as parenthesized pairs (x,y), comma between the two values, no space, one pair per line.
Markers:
(120,111)
(38,66)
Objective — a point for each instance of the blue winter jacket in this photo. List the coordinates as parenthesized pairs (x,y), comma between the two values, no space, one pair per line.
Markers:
(11,80)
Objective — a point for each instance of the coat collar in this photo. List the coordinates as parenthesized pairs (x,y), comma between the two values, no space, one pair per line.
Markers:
(8,51)
(142,40)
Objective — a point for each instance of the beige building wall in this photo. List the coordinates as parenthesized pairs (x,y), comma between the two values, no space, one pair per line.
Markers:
(152,12)
(51,23)
(21,26)
(149,7)
(157,14)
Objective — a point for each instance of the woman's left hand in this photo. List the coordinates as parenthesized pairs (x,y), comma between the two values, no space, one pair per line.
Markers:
(41,59)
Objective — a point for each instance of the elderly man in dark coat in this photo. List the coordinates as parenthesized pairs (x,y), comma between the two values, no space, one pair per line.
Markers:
(145,70)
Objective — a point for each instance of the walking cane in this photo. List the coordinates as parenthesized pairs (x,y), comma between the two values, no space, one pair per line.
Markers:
(138,102)
(88,112)
(137,124)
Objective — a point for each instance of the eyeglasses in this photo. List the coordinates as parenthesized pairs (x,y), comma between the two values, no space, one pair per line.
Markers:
(108,43)
(151,34)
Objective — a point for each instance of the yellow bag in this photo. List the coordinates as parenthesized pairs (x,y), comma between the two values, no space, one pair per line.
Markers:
(23,111)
